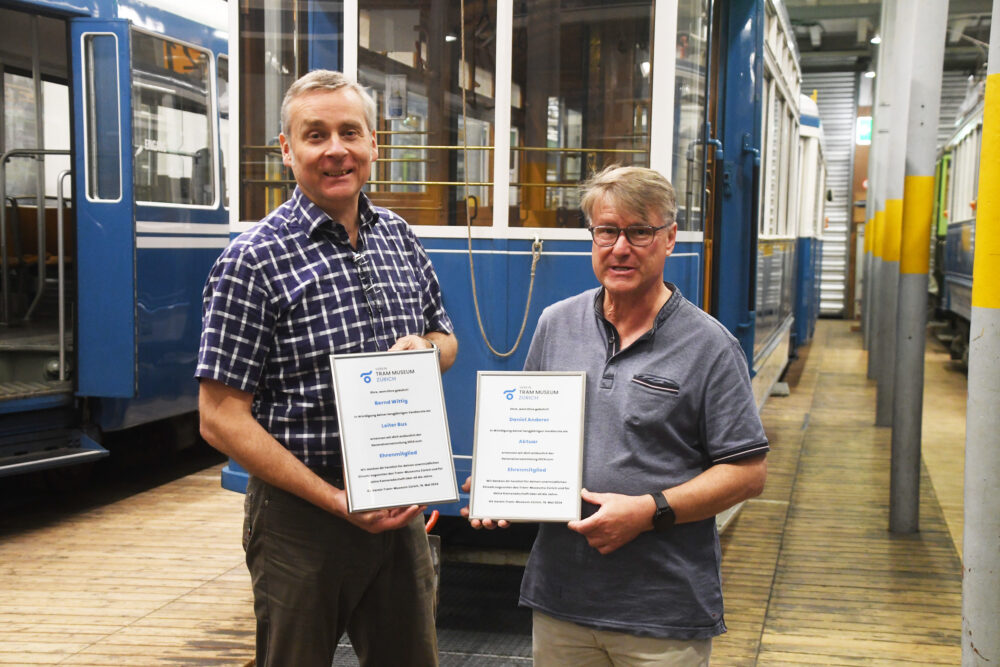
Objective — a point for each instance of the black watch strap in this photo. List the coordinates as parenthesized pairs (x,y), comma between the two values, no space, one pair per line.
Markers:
(663,517)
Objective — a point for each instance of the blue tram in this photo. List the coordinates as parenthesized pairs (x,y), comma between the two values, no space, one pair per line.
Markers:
(954,232)
(813,196)
(114,207)
(492,113)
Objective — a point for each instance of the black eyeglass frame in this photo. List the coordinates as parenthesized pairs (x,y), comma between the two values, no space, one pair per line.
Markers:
(628,234)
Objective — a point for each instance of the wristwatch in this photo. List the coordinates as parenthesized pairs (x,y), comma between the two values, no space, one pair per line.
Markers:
(663,517)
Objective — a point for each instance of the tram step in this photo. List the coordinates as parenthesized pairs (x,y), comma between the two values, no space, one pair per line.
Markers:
(43,432)
(16,389)
(77,448)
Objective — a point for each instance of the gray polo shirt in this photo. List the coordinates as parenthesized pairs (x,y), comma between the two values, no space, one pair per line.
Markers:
(658,413)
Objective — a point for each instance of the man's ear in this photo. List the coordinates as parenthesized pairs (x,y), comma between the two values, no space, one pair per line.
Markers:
(286,150)
(671,237)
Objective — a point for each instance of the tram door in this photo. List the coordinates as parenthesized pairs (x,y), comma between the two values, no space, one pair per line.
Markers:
(35,354)
(106,319)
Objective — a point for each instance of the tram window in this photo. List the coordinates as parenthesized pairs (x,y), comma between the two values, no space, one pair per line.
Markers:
(688,168)
(585,79)
(20,131)
(430,145)
(172,125)
(223,84)
(102,106)
(771,161)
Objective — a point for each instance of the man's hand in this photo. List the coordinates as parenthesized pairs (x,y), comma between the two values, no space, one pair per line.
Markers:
(379,521)
(489,524)
(618,520)
(411,342)
(447,346)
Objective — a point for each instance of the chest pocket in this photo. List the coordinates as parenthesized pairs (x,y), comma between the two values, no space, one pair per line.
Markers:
(402,292)
(655,383)
(651,399)
(648,431)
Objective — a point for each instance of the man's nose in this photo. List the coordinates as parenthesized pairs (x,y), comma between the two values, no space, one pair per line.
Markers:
(335,146)
(621,244)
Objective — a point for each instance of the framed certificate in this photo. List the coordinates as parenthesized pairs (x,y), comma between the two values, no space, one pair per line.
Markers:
(527,458)
(393,429)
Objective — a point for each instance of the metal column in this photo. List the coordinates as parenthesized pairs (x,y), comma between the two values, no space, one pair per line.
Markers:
(981,541)
(930,19)
(876,188)
(900,51)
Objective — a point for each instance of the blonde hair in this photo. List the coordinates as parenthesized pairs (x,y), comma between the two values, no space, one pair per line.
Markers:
(638,190)
(325,79)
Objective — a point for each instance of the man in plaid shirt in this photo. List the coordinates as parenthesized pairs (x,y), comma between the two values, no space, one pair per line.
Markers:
(326,272)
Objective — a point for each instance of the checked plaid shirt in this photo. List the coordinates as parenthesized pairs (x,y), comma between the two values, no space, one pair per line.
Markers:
(291,291)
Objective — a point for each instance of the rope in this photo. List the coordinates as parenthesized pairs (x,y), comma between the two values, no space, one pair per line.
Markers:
(536,247)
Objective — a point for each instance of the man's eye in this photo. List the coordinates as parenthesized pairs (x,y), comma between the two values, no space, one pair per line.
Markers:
(640,232)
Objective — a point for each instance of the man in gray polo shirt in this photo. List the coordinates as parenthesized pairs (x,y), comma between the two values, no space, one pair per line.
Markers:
(672,438)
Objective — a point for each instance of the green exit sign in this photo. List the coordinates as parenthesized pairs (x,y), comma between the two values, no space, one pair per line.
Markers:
(863,135)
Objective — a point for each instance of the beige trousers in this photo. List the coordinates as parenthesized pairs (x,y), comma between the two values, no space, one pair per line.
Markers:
(557,643)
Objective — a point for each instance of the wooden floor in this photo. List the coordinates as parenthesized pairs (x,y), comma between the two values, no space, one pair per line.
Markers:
(811,574)
(154,579)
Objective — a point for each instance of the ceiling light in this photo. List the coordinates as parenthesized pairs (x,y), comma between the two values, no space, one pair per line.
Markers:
(876,39)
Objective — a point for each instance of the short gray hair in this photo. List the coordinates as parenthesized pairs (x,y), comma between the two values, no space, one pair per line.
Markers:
(328,80)
(638,190)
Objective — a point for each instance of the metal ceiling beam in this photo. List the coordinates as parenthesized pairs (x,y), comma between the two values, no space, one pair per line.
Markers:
(841,10)
(950,51)
(872,10)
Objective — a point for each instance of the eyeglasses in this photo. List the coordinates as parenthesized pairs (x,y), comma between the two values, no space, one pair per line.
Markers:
(638,235)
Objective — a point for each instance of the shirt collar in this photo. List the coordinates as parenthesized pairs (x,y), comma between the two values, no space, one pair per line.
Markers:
(312,217)
(661,316)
